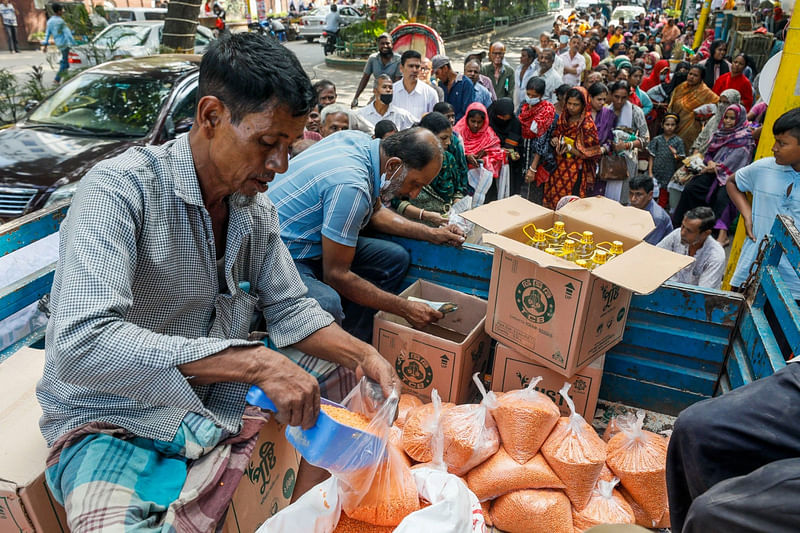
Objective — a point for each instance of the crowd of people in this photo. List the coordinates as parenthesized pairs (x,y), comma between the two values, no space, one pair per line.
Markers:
(592,108)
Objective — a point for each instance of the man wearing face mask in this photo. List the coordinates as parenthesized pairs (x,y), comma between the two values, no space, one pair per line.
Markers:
(384,61)
(381,107)
(692,239)
(335,189)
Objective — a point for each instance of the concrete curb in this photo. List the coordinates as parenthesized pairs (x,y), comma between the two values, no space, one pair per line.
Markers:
(468,42)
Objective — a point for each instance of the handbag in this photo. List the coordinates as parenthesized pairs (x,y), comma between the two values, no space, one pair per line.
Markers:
(613,167)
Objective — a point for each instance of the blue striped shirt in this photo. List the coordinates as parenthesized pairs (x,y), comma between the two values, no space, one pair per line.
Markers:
(330,189)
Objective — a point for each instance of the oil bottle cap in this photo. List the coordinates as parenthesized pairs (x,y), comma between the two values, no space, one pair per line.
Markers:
(600,257)
(551,251)
(540,236)
(588,237)
(616,247)
(558,227)
(582,263)
(569,246)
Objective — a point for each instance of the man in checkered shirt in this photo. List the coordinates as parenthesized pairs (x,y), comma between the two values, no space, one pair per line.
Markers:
(166,253)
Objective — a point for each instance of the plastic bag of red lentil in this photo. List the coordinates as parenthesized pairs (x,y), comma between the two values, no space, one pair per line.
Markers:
(524,419)
(470,433)
(575,453)
(606,506)
(639,459)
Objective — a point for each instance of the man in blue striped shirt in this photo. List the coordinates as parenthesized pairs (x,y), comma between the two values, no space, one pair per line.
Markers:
(333,191)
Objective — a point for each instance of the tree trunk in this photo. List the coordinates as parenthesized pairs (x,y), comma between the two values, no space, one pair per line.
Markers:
(383,9)
(180,25)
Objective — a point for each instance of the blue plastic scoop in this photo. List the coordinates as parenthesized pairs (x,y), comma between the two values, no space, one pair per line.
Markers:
(328,444)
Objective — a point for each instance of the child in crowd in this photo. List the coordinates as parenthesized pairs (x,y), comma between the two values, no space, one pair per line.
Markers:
(666,151)
(775,185)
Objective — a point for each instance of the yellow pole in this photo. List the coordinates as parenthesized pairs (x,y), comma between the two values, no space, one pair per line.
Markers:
(677,5)
(701,24)
(782,100)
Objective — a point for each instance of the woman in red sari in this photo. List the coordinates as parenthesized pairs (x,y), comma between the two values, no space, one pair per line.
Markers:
(735,79)
(577,147)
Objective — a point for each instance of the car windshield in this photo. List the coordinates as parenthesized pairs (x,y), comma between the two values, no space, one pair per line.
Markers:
(103,103)
(122,36)
(626,14)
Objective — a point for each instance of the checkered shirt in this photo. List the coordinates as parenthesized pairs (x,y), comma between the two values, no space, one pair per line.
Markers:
(136,294)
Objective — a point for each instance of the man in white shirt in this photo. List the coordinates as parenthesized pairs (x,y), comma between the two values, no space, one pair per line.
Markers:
(382,107)
(523,73)
(333,20)
(574,62)
(551,78)
(409,94)
(692,239)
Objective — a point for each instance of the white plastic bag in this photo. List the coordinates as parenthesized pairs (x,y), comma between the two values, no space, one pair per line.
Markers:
(454,215)
(479,179)
(504,182)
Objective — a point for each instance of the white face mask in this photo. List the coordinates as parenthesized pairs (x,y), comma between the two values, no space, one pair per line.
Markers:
(532,101)
(390,186)
(563,39)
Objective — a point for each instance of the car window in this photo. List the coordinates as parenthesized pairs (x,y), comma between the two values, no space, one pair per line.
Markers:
(185,106)
(200,39)
(122,36)
(106,103)
(124,15)
(154,15)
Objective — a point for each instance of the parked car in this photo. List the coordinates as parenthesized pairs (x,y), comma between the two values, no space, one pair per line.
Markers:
(627,13)
(98,114)
(130,39)
(312,24)
(132,14)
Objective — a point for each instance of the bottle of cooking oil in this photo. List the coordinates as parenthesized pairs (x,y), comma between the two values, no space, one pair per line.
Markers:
(569,250)
(586,247)
(539,240)
(557,235)
(600,257)
(553,251)
(583,263)
(616,249)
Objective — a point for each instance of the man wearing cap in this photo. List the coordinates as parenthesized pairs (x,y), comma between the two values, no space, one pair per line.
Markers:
(479,56)
(501,75)
(458,89)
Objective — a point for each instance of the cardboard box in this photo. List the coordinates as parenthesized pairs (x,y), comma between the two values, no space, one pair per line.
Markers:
(268,481)
(442,356)
(551,310)
(26,504)
(514,371)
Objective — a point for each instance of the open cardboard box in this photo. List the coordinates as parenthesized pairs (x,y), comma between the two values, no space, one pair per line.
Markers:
(551,310)
(442,356)
(26,503)
(513,371)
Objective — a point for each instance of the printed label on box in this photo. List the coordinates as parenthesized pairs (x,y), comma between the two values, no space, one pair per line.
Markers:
(606,324)
(421,366)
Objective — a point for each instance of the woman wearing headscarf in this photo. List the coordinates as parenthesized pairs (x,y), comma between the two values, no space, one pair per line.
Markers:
(506,125)
(654,74)
(481,143)
(726,98)
(629,135)
(450,184)
(576,149)
(537,119)
(716,65)
(687,97)
(735,79)
(638,96)
(731,148)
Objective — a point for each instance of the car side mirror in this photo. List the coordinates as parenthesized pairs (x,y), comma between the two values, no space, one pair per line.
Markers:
(30,105)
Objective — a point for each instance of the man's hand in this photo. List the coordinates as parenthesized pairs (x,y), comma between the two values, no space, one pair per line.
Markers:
(420,314)
(294,391)
(375,366)
(450,234)
(354,103)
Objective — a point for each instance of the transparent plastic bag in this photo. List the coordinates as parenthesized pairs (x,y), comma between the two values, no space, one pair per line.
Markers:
(575,453)
(404,406)
(606,506)
(533,510)
(420,425)
(525,418)
(454,215)
(639,458)
(433,427)
(501,474)
(470,433)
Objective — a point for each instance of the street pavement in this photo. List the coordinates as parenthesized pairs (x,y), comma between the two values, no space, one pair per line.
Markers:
(311,57)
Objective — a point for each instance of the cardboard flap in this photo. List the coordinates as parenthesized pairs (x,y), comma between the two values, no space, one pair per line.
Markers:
(24,450)
(524,251)
(643,268)
(505,214)
(629,221)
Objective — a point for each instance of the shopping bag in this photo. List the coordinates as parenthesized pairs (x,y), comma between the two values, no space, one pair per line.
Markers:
(613,167)
(480,179)
(504,183)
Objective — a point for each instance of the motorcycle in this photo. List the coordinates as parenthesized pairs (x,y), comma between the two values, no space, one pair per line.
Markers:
(329,41)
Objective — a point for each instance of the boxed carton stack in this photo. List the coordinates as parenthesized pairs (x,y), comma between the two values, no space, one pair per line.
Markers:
(549,314)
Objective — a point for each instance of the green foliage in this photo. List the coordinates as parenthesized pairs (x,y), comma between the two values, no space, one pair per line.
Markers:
(362,32)
(447,19)
(14,94)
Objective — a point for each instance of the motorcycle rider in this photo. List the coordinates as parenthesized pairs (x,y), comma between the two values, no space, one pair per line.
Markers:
(332,22)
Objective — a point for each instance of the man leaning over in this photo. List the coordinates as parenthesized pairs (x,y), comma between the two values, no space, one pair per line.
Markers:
(147,357)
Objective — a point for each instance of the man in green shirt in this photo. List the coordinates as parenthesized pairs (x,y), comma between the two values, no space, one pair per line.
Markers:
(499,72)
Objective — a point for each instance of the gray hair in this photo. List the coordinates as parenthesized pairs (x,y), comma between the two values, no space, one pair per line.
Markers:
(378,79)
(335,109)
